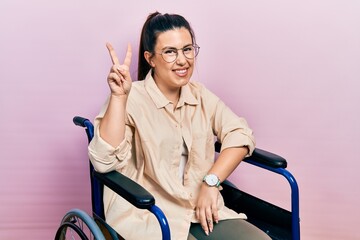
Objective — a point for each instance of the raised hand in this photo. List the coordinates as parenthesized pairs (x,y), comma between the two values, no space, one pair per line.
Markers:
(119,78)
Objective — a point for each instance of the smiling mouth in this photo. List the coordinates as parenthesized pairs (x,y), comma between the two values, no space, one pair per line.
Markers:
(181,72)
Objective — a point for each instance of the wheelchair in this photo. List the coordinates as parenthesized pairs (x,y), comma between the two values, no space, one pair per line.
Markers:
(277,222)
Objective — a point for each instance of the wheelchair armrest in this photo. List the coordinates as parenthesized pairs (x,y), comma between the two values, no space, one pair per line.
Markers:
(80,121)
(267,158)
(261,156)
(126,188)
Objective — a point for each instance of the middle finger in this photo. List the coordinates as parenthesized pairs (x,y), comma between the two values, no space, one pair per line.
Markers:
(209,219)
(203,221)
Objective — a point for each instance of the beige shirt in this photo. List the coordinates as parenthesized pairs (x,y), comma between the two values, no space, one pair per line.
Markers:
(152,150)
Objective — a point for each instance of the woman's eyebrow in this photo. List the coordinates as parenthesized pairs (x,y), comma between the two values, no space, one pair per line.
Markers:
(170,47)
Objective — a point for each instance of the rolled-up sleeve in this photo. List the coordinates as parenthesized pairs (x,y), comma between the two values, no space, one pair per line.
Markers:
(105,157)
(232,130)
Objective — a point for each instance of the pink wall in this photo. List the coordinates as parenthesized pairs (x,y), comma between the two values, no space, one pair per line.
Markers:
(290,67)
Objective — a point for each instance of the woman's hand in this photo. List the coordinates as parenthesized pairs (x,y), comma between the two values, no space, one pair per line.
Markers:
(119,78)
(206,207)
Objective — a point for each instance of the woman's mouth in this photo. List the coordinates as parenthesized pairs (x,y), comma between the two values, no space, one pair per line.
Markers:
(181,72)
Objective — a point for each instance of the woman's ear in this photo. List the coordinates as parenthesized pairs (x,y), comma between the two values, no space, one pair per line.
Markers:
(148,56)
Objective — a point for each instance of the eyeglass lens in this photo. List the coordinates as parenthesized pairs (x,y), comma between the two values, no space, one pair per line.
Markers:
(171,54)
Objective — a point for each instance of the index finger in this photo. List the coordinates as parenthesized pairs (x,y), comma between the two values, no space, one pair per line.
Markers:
(112,53)
(127,60)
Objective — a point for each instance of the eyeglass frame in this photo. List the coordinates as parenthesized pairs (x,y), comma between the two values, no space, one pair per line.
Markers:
(195,46)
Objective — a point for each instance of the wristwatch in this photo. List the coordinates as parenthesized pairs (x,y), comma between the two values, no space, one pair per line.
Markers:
(212,180)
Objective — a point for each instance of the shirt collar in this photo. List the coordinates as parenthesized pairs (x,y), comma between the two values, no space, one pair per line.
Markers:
(186,96)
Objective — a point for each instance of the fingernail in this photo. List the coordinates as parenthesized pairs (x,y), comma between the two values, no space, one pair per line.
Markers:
(211,229)
(207,233)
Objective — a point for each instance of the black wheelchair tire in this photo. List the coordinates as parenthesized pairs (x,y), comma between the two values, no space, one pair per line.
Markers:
(63,227)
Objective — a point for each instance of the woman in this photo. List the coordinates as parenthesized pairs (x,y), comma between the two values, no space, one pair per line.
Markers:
(160,133)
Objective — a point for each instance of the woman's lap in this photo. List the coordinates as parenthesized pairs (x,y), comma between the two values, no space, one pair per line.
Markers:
(228,229)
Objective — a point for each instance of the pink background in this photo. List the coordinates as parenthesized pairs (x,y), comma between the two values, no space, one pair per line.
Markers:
(291,68)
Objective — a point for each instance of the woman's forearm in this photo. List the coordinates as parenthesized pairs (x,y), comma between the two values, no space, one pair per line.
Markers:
(112,125)
(227,161)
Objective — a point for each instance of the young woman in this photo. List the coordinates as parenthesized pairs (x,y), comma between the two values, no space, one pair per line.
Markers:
(160,132)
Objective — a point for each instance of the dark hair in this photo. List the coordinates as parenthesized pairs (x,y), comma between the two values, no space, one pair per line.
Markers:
(155,24)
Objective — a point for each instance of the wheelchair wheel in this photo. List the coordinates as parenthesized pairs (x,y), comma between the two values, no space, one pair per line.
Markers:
(76,224)
(108,232)
(69,230)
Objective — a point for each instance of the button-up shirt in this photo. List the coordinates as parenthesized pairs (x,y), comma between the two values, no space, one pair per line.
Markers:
(151,154)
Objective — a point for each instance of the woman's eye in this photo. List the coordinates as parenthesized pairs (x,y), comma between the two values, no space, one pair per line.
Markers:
(170,51)
(188,49)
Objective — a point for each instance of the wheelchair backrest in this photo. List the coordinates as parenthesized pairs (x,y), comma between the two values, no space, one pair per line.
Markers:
(96,187)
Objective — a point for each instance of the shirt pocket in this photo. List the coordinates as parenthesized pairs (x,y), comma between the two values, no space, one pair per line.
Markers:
(202,150)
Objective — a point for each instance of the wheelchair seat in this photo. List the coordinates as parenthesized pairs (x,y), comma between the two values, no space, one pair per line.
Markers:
(277,222)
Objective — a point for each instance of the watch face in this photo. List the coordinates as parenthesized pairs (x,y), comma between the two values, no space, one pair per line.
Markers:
(211,180)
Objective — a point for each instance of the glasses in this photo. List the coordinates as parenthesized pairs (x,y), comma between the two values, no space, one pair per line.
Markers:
(170,54)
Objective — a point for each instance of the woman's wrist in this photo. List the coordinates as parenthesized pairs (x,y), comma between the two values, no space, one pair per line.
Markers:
(118,97)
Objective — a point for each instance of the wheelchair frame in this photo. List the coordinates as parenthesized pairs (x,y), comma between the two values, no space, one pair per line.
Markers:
(273,222)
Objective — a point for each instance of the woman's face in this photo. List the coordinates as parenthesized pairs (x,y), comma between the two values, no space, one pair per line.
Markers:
(171,76)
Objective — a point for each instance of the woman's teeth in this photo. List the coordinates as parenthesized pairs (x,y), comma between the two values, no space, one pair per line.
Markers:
(183,71)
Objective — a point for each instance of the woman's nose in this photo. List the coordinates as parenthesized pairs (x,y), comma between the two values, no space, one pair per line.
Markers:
(181,59)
